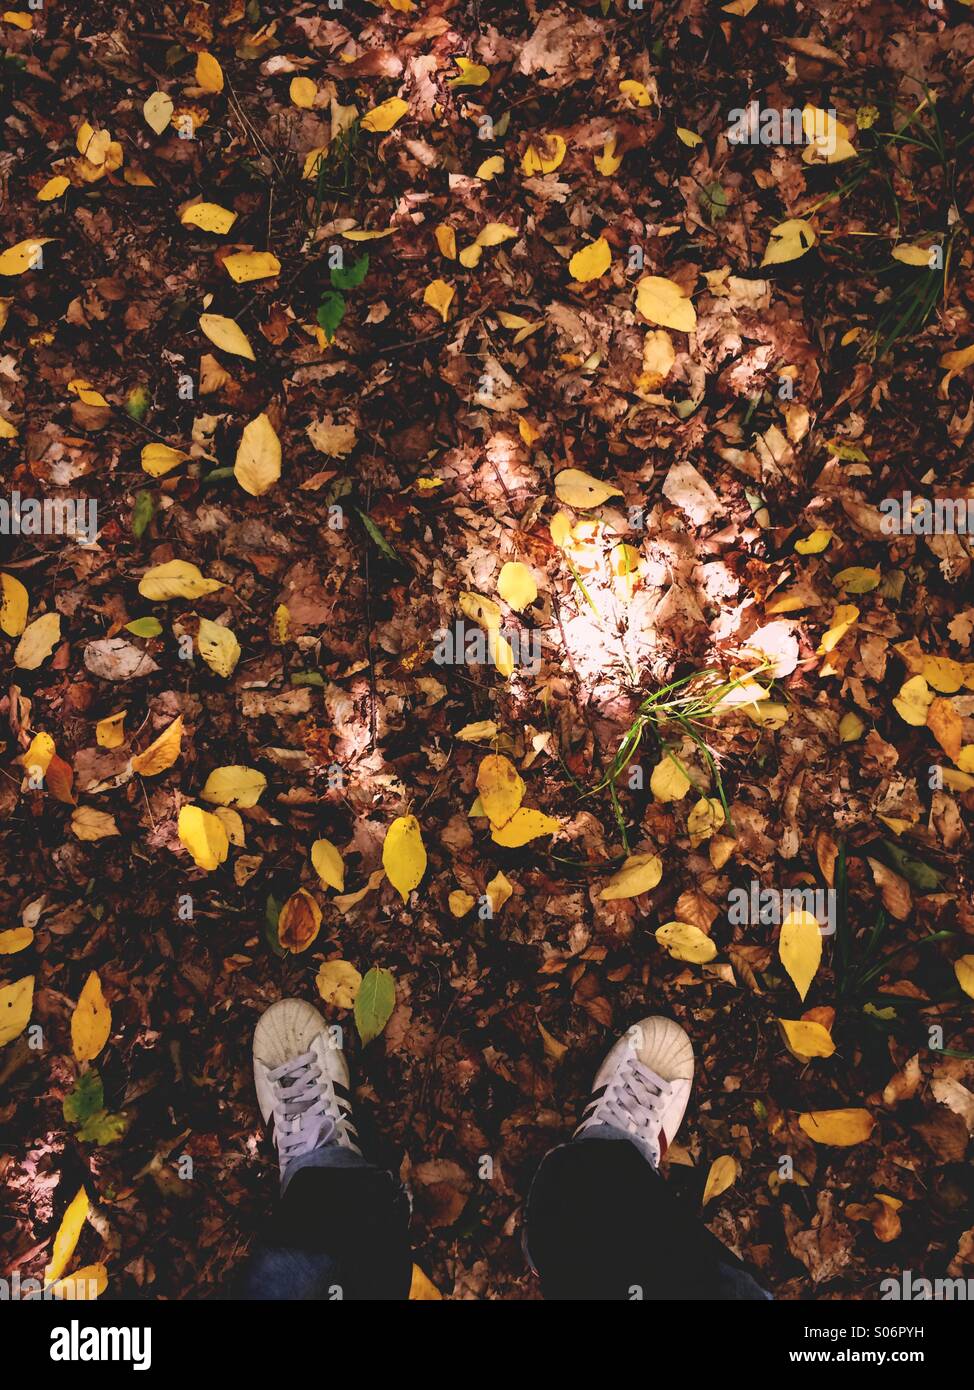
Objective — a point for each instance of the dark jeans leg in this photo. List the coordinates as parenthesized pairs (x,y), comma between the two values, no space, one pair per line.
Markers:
(602,1224)
(340,1231)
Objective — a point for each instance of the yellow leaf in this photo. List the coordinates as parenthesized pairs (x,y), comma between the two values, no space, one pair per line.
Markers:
(523,826)
(421,1289)
(91,1021)
(913,701)
(67,1236)
(690,138)
(608,162)
(227,335)
(218,646)
(958,360)
(635,92)
(89,824)
(7,430)
(474,733)
(338,983)
(446,240)
(159,459)
(495,233)
(913,255)
(232,824)
(18,18)
(460,902)
(706,817)
(788,241)
(258,463)
(857,579)
(88,1282)
(490,168)
(639,874)
(438,295)
(235,785)
(204,835)
(374,235)
(662,301)
(578,489)
(209,74)
(806,1038)
(39,640)
(208,217)
(516,585)
(668,781)
(16,1002)
(723,1174)
(302,92)
(384,116)
(14,602)
(965,758)
(742,8)
(851,727)
(501,653)
(544,158)
(943,673)
(482,611)
(846,615)
(26,255)
(15,939)
(242,266)
(501,788)
(109,732)
(841,1128)
(157,111)
(86,392)
(471,74)
(828,139)
(964,970)
(686,942)
(53,189)
(176,579)
(328,864)
(312,161)
(162,753)
(591,262)
(499,889)
(800,949)
(38,755)
(553,1048)
(404,855)
(814,543)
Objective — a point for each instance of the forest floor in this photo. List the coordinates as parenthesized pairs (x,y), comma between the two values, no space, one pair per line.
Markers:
(683,445)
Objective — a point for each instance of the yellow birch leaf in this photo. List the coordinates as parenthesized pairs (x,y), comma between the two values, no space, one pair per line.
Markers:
(686,942)
(37,757)
(805,1038)
(608,162)
(14,603)
(15,939)
(943,673)
(501,653)
(800,949)
(840,1128)
(109,732)
(545,157)
(495,233)
(86,393)
(421,1288)
(53,189)
(302,92)
(706,817)
(328,864)
(232,824)
(218,646)
(234,785)
(209,74)
(89,824)
(500,786)
(312,161)
(965,759)
(668,781)
(499,889)
(851,727)
(516,586)
(912,255)
(846,615)
(788,241)
(19,19)
(663,302)
(690,138)
(578,489)
(384,116)
(591,262)
(242,266)
(814,543)
(913,701)
(446,240)
(490,168)
(475,733)
(482,611)
(635,92)
(639,874)
(723,1174)
(438,295)
(90,1281)
(67,1236)
(16,1002)
(159,459)
(375,235)
(209,217)
(460,902)
(299,923)
(38,641)
(523,826)
(338,983)
(91,1021)
(157,110)
(964,970)
(857,579)
(404,855)
(176,579)
(25,255)
(257,466)
(227,335)
(471,74)
(162,752)
(204,835)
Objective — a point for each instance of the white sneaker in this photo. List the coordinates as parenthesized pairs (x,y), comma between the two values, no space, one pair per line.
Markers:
(302,1081)
(643,1085)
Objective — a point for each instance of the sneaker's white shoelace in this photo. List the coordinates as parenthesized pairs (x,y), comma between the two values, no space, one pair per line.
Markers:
(634,1100)
(305,1110)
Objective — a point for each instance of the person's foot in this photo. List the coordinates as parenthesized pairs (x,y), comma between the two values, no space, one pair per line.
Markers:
(302,1082)
(643,1086)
